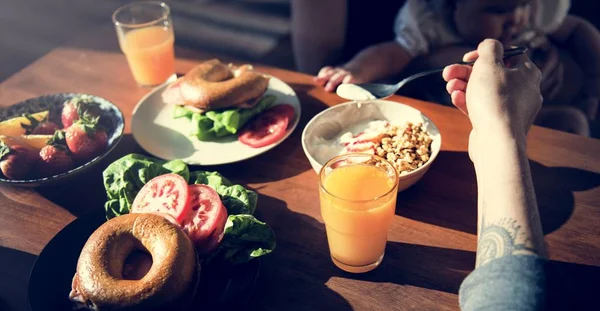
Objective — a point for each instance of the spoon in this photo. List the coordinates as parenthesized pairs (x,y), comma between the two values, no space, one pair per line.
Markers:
(370,91)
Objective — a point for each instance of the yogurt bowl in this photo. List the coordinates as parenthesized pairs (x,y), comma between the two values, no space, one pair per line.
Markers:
(325,134)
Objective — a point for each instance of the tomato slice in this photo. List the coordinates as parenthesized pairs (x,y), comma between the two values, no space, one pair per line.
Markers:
(205,220)
(268,127)
(164,194)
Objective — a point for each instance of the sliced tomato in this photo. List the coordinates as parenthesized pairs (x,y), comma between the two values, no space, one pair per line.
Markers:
(205,220)
(268,127)
(166,194)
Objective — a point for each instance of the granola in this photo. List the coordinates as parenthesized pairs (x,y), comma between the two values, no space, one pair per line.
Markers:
(407,147)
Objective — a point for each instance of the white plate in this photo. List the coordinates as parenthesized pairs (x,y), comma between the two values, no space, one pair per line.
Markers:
(154,128)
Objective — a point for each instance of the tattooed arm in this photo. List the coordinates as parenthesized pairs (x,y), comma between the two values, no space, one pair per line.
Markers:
(502,101)
(509,222)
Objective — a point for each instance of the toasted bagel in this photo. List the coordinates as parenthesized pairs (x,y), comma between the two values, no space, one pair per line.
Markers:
(213,85)
(99,283)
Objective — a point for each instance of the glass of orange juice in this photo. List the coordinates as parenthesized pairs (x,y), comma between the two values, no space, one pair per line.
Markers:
(358,199)
(145,33)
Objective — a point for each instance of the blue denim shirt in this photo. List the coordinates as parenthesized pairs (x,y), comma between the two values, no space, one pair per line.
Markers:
(509,283)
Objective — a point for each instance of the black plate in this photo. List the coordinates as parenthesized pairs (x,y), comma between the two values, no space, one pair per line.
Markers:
(111,118)
(50,280)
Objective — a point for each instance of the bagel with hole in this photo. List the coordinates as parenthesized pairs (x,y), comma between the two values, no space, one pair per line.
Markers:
(104,280)
(214,85)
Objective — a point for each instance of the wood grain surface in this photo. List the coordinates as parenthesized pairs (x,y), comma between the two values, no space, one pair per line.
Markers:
(432,238)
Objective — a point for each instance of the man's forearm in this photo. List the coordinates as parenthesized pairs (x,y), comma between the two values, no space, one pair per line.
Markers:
(508,218)
(379,61)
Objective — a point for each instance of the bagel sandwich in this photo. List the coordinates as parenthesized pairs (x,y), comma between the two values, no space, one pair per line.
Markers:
(218,99)
(213,85)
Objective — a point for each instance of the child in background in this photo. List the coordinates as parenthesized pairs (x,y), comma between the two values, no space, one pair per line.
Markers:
(564,47)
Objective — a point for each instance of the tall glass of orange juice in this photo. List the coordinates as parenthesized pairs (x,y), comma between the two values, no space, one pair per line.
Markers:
(358,199)
(145,33)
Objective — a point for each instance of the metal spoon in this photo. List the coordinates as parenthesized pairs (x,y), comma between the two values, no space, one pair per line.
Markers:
(370,91)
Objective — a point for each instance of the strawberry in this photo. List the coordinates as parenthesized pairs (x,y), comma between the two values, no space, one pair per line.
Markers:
(43,127)
(77,107)
(86,139)
(55,158)
(16,161)
(69,114)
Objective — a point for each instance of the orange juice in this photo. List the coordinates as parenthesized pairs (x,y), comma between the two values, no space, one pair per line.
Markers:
(357,205)
(150,54)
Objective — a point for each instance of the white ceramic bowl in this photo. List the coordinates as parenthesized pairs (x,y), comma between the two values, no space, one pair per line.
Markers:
(322,131)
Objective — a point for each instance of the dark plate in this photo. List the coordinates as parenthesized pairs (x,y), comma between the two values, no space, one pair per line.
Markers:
(111,118)
(50,280)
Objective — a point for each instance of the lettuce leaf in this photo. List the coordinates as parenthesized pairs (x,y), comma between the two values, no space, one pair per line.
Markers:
(244,239)
(124,178)
(182,112)
(202,127)
(224,122)
(214,124)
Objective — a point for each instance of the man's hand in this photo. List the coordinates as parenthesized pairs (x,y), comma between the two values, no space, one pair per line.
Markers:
(494,94)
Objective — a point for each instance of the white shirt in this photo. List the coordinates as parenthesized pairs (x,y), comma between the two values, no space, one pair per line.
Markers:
(422,25)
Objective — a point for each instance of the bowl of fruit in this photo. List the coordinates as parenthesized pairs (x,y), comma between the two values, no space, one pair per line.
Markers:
(52,137)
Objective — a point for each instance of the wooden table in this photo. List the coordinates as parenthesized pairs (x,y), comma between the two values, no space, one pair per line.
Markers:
(432,239)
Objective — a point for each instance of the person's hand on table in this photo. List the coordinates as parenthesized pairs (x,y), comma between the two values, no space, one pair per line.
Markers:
(331,77)
(376,62)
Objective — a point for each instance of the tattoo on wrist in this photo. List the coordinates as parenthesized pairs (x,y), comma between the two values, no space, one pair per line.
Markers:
(504,238)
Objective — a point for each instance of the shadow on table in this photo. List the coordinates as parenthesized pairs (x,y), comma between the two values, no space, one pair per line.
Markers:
(14,278)
(296,276)
(434,268)
(554,187)
(81,194)
(447,195)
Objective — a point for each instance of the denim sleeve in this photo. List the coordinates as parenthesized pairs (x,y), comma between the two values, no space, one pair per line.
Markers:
(509,283)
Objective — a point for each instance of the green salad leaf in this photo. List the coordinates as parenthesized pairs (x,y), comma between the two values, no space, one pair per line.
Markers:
(224,122)
(239,200)
(244,237)
(124,178)
(201,127)
(178,167)
(214,124)
(182,112)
